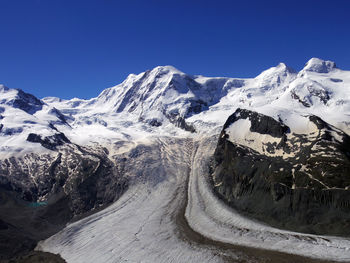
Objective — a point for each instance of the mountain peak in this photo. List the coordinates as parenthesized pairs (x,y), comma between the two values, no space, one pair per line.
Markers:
(3,88)
(281,65)
(319,65)
(285,68)
(17,98)
(281,69)
(166,69)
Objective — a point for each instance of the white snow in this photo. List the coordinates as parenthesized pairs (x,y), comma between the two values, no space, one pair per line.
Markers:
(319,65)
(239,133)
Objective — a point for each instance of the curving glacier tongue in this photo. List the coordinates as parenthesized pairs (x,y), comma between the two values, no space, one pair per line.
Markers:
(149,223)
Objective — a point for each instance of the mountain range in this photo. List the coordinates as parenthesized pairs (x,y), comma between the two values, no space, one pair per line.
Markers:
(275,148)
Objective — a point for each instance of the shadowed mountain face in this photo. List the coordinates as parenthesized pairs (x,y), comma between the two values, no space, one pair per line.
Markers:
(24,223)
(41,193)
(294,181)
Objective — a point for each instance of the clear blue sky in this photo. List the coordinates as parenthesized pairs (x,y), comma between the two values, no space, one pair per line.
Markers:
(70,48)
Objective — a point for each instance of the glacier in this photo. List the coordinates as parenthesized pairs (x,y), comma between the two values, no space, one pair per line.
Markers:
(169,213)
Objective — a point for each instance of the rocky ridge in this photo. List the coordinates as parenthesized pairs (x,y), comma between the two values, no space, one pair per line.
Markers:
(296,181)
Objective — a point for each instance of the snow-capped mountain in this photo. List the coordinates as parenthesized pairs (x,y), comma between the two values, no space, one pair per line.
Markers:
(76,156)
(155,101)
(280,92)
(162,97)
(23,114)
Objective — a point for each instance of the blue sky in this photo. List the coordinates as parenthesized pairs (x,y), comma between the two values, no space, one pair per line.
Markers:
(70,48)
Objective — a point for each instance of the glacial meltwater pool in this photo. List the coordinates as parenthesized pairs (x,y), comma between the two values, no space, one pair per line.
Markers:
(37,204)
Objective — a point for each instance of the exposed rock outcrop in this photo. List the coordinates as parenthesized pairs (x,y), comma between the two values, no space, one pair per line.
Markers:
(301,182)
(41,193)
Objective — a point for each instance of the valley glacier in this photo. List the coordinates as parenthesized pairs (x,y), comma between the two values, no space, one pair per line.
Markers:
(160,128)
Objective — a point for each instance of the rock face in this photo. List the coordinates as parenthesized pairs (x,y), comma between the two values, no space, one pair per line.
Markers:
(294,181)
(49,142)
(40,193)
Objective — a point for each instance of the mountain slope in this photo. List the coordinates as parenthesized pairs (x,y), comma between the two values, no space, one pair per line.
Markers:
(26,121)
